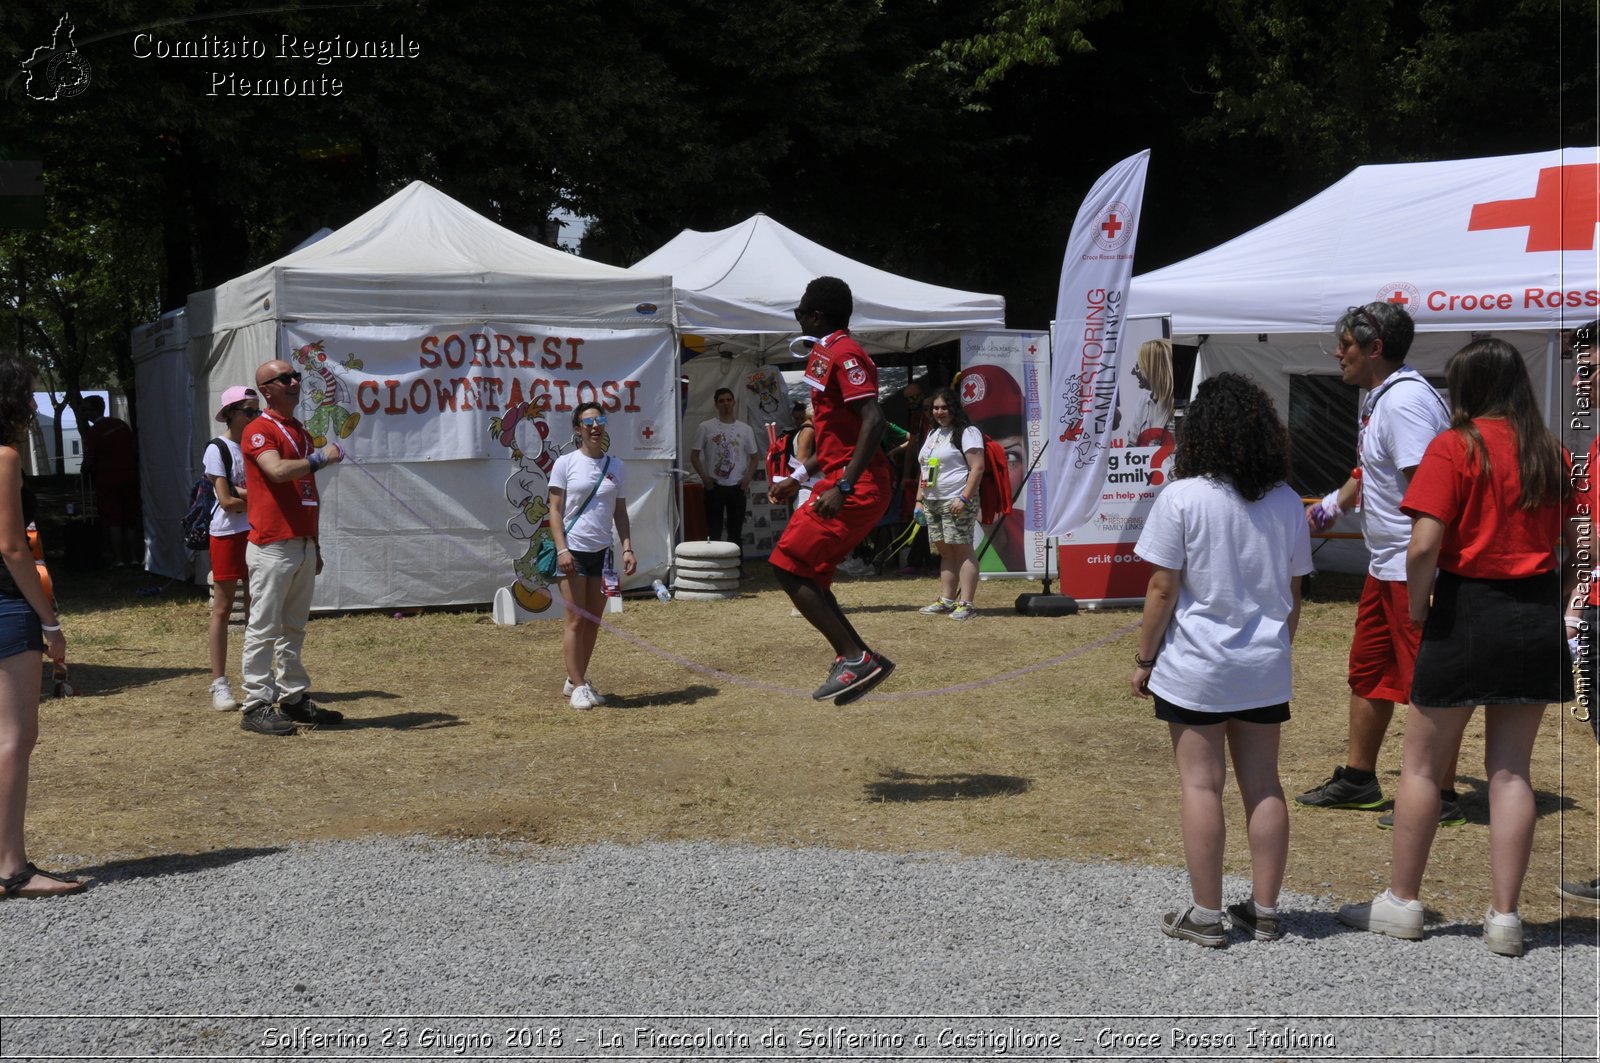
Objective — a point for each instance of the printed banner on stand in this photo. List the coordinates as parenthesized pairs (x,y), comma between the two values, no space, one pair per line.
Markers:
(399,393)
(1096,558)
(1002,377)
(1090,309)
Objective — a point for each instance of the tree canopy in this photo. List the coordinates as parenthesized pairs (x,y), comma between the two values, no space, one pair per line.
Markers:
(950,140)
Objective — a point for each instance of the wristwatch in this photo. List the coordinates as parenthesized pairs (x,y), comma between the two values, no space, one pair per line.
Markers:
(845,486)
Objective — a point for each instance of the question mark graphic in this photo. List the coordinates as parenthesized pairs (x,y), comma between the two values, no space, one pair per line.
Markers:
(1167,444)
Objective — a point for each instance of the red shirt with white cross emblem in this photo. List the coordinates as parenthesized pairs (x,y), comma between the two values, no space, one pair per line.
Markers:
(278,511)
(840,375)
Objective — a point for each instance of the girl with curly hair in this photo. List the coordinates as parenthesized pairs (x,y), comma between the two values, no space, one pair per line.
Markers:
(1229,543)
(1488,505)
(28,626)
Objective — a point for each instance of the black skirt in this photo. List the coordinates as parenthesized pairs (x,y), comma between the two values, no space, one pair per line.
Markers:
(1493,642)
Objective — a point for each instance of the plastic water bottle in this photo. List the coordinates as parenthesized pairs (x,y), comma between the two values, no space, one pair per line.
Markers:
(662,594)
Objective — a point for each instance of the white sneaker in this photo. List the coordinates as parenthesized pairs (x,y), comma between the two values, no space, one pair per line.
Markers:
(595,695)
(222,695)
(1502,933)
(583,697)
(1385,914)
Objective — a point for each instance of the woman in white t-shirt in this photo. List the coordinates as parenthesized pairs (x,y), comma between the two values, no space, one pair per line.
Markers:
(1229,543)
(951,463)
(586,501)
(230,529)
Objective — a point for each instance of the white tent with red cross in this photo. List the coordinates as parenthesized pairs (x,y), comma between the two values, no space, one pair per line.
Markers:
(1495,245)
(1503,245)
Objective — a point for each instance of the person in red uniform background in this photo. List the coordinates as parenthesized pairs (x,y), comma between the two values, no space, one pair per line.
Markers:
(111,461)
(851,487)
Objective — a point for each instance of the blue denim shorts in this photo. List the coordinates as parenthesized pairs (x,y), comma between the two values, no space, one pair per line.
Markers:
(19,628)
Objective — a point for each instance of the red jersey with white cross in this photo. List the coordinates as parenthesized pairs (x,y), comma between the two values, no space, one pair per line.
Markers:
(840,375)
(278,511)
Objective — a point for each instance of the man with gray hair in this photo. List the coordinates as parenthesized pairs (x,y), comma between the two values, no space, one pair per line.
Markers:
(1400,416)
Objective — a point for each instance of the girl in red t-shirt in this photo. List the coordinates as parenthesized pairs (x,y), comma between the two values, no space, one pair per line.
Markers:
(1488,506)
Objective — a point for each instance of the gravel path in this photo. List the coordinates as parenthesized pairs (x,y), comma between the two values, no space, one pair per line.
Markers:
(421,949)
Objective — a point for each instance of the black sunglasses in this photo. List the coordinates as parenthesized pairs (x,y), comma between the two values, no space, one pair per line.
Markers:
(285,379)
(800,314)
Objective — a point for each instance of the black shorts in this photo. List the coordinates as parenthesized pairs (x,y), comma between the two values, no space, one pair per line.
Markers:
(1167,712)
(1493,642)
(590,563)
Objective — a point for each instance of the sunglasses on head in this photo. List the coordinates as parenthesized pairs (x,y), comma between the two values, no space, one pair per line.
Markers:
(1367,315)
(285,379)
(595,421)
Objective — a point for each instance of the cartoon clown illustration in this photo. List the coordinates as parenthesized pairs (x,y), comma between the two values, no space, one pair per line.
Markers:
(522,430)
(322,396)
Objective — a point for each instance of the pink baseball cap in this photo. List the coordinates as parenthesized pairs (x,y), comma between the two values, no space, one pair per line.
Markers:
(236,394)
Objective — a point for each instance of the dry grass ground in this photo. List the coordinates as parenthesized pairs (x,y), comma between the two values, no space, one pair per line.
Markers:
(456,729)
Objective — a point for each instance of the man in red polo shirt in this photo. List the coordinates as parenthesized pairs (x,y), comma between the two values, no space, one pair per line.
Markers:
(851,490)
(283,556)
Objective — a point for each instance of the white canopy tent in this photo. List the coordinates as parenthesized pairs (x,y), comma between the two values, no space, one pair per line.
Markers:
(736,290)
(429,336)
(739,286)
(1504,245)
(165,393)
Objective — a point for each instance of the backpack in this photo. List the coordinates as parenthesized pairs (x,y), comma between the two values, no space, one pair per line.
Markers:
(780,449)
(994,490)
(196,521)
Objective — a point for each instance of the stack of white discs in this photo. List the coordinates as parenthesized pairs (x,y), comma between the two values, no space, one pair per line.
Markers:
(706,572)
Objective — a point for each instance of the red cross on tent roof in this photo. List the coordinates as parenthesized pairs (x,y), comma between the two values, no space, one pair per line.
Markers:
(1560,216)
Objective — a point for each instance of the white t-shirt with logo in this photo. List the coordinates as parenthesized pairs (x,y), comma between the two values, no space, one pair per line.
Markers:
(1227,647)
(223,522)
(725,450)
(945,480)
(575,474)
(1403,415)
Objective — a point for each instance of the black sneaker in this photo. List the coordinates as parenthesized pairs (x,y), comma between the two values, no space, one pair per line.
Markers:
(1450,814)
(1182,925)
(1340,792)
(1582,892)
(1259,927)
(848,682)
(265,720)
(305,711)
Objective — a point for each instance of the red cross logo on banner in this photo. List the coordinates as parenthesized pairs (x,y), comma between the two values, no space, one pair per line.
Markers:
(648,432)
(1559,216)
(1111,226)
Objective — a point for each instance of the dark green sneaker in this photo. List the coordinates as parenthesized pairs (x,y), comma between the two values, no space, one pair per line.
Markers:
(1182,925)
(1582,892)
(1260,927)
(1450,814)
(1341,792)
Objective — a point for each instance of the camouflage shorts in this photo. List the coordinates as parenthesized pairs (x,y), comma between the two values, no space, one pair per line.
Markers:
(945,528)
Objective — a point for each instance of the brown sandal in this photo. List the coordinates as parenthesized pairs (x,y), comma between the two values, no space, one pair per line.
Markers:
(13,885)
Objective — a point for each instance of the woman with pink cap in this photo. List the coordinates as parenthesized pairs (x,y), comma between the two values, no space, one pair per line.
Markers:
(230,531)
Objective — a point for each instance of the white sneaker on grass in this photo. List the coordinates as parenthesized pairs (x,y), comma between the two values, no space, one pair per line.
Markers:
(222,695)
(1385,914)
(567,690)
